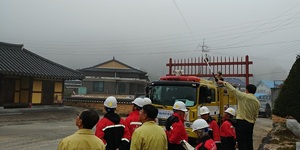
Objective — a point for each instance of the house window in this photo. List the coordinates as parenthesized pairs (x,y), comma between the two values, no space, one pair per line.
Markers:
(121,88)
(98,86)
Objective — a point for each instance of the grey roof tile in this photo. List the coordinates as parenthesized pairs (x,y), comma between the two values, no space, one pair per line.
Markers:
(16,60)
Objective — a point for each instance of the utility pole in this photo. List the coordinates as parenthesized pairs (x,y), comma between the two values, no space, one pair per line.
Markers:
(205,49)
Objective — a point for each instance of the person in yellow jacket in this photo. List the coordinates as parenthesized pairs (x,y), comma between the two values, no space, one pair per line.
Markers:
(247,112)
(149,136)
(84,138)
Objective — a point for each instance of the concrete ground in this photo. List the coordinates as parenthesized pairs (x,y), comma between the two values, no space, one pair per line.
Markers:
(42,127)
(261,128)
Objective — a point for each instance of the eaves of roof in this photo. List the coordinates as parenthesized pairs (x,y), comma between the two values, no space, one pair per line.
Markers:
(112,70)
(16,60)
(235,81)
(272,83)
(130,69)
(232,81)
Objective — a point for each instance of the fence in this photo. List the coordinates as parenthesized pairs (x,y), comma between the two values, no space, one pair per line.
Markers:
(230,66)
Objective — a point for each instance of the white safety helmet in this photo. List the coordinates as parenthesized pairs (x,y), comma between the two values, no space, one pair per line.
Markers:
(230,111)
(199,124)
(179,105)
(147,100)
(139,101)
(110,102)
(204,110)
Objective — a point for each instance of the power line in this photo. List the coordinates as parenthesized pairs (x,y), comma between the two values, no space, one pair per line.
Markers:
(137,40)
(267,22)
(261,34)
(118,41)
(253,45)
(271,73)
(109,46)
(231,34)
(161,52)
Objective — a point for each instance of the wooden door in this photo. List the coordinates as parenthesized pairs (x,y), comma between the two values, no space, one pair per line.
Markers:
(7,91)
(48,92)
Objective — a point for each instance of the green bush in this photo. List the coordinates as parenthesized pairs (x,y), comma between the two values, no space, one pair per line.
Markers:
(288,101)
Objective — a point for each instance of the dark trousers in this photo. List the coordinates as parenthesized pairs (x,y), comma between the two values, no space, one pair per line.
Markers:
(244,134)
(228,143)
(175,146)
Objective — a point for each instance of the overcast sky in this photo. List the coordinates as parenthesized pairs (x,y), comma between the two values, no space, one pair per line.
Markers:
(146,33)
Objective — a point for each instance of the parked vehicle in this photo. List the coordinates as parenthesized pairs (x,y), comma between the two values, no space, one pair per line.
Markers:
(265,108)
(195,92)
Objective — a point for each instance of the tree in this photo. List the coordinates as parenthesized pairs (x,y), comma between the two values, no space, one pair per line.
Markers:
(288,101)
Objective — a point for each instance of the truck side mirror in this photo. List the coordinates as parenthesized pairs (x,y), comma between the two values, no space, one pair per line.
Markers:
(148,88)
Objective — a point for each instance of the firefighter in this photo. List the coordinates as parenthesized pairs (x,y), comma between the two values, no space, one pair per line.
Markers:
(175,129)
(213,125)
(132,121)
(111,128)
(227,130)
(204,141)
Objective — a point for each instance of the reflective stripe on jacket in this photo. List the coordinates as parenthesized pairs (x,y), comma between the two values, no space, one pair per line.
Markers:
(132,121)
(104,122)
(177,132)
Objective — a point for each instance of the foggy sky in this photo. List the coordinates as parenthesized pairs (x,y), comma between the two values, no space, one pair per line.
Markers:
(146,33)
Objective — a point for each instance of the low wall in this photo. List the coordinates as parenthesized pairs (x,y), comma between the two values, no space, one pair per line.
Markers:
(16,105)
(123,109)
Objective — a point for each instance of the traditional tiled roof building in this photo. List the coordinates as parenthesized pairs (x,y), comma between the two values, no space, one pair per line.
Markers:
(114,78)
(29,78)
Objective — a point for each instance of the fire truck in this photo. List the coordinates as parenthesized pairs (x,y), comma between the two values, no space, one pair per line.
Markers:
(195,92)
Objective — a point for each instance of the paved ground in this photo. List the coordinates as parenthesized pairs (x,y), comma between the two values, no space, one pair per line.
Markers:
(42,127)
(37,113)
(261,128)
(36,128)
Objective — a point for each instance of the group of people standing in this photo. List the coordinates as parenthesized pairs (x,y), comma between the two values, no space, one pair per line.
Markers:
(235,131)
(140,131)
(137,132)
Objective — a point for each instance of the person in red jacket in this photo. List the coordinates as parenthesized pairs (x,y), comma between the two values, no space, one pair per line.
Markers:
(213,125)
(175,129)
(227,130)
(132,121)
(111,128)
(204,141)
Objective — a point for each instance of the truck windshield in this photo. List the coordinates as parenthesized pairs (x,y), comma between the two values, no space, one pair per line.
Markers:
(168,95)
